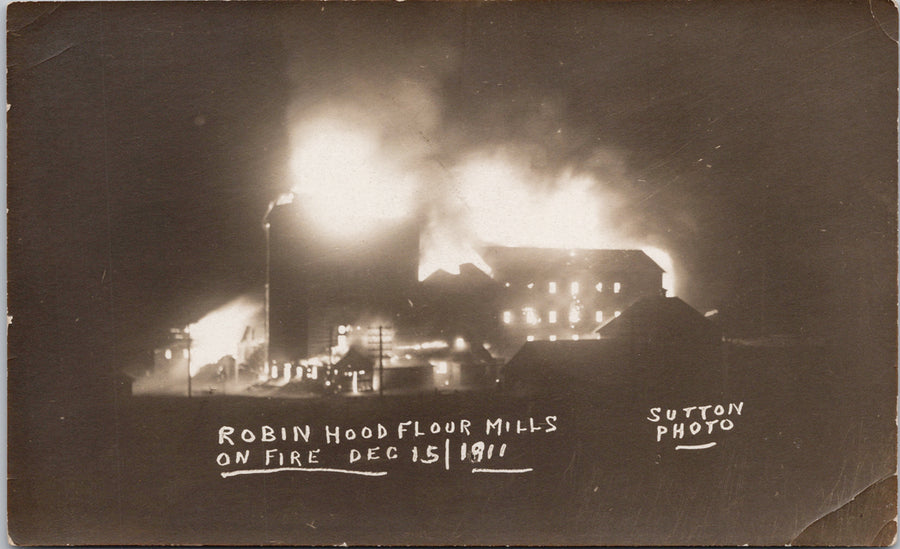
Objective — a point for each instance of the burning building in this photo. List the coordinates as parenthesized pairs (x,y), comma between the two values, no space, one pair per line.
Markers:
(319,283)
(550,294)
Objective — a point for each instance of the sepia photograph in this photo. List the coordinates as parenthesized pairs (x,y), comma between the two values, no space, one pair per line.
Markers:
(452,273)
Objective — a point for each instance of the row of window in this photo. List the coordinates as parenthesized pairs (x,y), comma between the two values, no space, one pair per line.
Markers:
(531,317)
(553,337)
(184,353)
(574,287)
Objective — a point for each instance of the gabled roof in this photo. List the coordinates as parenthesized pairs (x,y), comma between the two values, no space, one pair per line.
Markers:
(552,362)
(662,319)
(469,276)
(549,260)
(354,360)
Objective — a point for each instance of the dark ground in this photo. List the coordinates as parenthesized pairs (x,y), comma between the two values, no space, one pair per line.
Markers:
(816,429)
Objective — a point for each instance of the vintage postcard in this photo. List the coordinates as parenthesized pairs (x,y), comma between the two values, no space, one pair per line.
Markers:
(452,273)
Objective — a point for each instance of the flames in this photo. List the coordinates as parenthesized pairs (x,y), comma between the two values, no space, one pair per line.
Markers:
(218,333)
(354,165)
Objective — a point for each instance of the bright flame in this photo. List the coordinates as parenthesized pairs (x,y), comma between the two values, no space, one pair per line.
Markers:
(345,180)
(218,333)
(505,203)
(664,260)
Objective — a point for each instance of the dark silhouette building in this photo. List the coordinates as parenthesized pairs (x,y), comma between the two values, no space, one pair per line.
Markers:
(318,282)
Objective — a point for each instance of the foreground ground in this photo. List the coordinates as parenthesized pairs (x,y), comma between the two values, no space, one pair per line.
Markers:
(815,428)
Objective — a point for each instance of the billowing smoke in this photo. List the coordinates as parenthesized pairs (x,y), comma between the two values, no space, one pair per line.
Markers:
(392,151)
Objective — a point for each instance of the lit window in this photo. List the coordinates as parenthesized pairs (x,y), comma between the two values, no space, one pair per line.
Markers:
(274,371)
(342,329)
(617,313)
(440,367)
(459,344)
(530,285)
(574,287)
(552,288)
(551,317)
(530,338)
(616,287)
(168,354)
(574,314)
(507,284)
(185,354)
(531,317)
(599,286)
(575,337)
(507,317)
(598,316)
(553,338)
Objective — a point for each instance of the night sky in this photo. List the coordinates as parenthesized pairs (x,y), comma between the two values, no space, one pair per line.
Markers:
(754,141)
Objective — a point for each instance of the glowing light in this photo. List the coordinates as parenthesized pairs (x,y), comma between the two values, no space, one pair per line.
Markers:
(553,338)
(342,329)
(599,286)
(598,316)
(574,314)
(345,179)
(507,317)
(617,287)
(574,287)
(617,314)
(440,367)
(459,344)
(219,333)
(505,201)
(664,260)
(441,248)
(531,316)
(529,338)
(575,337)
(551,317)
(274,371)
(168,354)
(185,354)
(530,285)
(552,288)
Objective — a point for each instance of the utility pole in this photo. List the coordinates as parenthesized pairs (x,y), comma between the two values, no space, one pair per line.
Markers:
(189,340)
(380,362)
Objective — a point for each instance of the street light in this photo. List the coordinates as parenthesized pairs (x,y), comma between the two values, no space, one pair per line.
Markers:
(283,199)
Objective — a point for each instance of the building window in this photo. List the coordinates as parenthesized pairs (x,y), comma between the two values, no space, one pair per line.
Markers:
(553,338)
(575,337)
(530,285)
(617,313)
(552,288)
(599,286)
(598,316)
(531,317)
(574,287)
(507,317)
(168,354)
(616,287)
(551,317)
(574,314)
(530,338)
